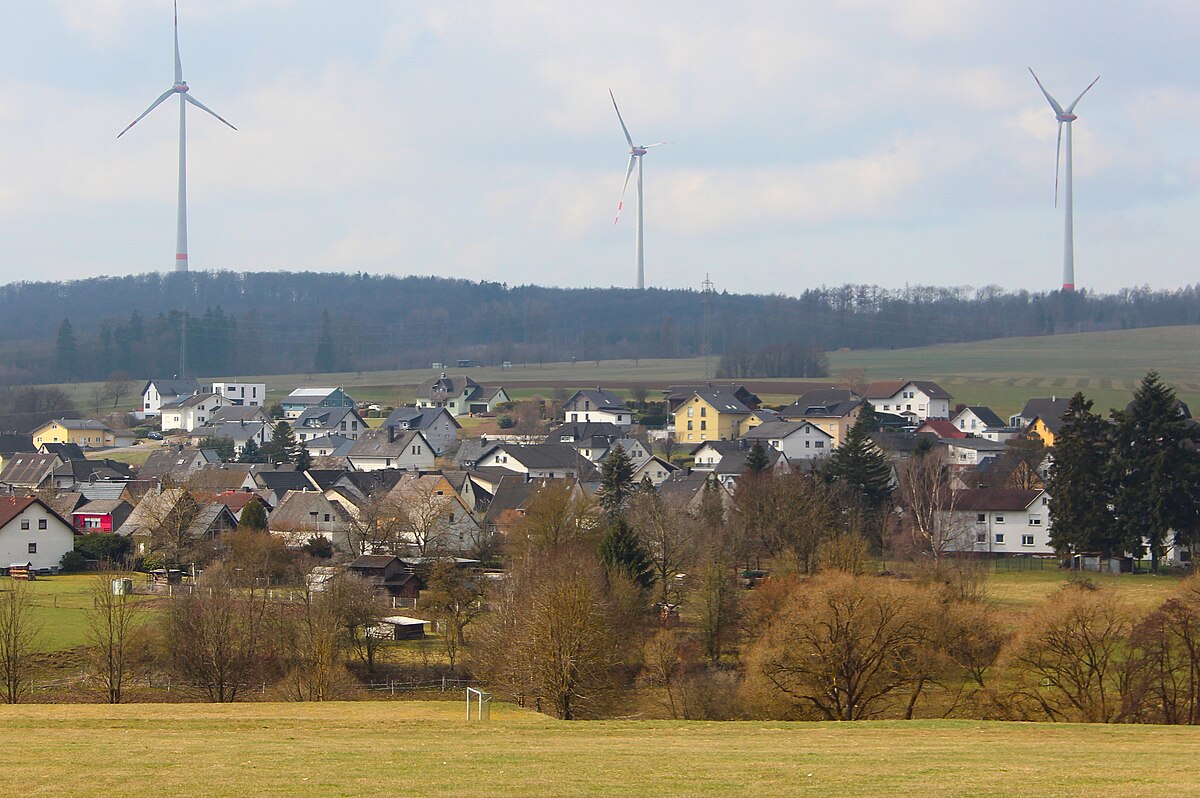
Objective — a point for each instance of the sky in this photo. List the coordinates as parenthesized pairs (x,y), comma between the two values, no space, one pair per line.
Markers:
(864,141)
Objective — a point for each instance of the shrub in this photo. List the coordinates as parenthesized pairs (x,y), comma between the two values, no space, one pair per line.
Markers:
(505,422)
(73,562)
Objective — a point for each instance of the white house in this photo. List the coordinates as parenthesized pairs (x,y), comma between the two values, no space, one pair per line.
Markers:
(653,466)
(597,405)
(1001,521)
(240,432)
(916,400)
(798,440)
(157,391)
(189,412)
(437,424)
(538,461)
(389,447)
(971,451)
(460,395)
(31,533)
(246,394)
(976,420)
(317,422)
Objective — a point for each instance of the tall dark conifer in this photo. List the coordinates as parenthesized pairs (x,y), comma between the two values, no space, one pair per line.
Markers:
(616,481)
(1078,482)
(859,464)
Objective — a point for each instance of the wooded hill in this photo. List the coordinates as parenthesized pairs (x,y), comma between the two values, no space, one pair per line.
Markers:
(282,322)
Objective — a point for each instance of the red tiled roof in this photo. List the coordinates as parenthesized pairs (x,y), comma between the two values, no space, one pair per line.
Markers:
(942,427)
(12,506)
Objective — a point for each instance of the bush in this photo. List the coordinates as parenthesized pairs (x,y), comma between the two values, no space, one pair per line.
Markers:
(505,422)
(73,562)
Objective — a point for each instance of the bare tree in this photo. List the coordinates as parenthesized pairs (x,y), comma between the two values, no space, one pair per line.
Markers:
(218,637)
(668,535)
(929,504)
(453,597)
(315,643)
(360,609)
(558,515)
(111,623)
(119,385)
(18,638)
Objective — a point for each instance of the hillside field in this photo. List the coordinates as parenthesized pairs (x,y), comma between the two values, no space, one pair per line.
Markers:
(1001,373)
(427,748)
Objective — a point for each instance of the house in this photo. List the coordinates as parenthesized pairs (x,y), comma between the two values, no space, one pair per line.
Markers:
(974,420)
(970,451)
(86,433)
(239,413)
(512,497)
(237,501)
(686,490)
(189,412)
(31,532)
(1042,417)
(678,394)
(388,575)
(598,449)
(733,465)
(1000,521)
(573,432)
(158,391)
(27,471)
(653,466)
(706,456)
(276,484)
(709,415)
(760,416)
(176,464)
(302,516)
(390,447)
(437,516)
(301,399)
(220,477)
(101,515)
(73,473)
(329,446)
(939,428)
(65,451)
(599,405)
(798,440)
(240,432)
(175,509)
(460,395)
(831,409)
(538,460)
(242,394)
(437,424)
(399,627)
(317,422)
(917,400)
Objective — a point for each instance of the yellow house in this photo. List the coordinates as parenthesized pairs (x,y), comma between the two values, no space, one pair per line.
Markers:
(710,416)
(83,432)
(1045,431)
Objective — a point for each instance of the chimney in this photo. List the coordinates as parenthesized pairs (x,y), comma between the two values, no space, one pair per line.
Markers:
(391,434)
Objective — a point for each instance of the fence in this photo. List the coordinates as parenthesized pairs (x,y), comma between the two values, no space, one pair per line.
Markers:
(393,686)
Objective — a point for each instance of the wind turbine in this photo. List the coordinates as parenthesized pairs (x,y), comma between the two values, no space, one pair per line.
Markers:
(1065,117)
(181,88)
(635,157)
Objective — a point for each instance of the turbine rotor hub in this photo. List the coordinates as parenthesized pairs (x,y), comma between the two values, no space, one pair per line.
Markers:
(1067,117)
(181,86)
(637,150)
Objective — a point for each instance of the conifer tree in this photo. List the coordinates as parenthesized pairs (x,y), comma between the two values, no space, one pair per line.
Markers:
(757,460)
(616,481)
(622,552)
(859,464)
(325,357)
(254,515)
(1078,484)
(251,453)
(282,445)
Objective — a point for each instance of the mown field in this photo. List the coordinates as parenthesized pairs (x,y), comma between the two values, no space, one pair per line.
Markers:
(428,749)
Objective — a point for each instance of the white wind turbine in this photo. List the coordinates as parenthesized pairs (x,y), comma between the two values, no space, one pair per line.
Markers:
(181,88)
(1065,117)
(636,152)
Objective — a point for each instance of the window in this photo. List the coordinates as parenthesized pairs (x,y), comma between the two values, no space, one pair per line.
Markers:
(24,523)
(981,537)
(980,518)
(689,425)
(41,523)
(691,410)
(999,519)
(1026,540)
(999,537)
(1035,522)
(703,412)
(33,548)
(417,450)
(327,516)
(808,444)
(819,445)
(703,424)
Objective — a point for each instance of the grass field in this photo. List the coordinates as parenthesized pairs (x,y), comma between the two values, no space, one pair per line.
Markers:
(427,749)
(60,607)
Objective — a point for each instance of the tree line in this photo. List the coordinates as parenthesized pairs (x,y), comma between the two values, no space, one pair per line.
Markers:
(245,323)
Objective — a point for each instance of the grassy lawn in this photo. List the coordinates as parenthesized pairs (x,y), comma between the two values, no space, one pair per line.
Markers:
(61,605)
(426,748)
(1025,589)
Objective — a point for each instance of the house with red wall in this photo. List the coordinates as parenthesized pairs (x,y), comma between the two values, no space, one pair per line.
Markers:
(101,515)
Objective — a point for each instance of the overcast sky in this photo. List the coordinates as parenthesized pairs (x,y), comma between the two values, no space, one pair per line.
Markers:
(817,143)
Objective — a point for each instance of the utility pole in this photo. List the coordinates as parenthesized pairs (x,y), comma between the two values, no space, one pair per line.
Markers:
(706,345)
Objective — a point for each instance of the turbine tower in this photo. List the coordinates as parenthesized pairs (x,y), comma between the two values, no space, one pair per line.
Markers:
(1065,117)
(181,88)
(636,152)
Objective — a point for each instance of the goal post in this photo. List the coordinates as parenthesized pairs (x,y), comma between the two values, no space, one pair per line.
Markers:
(482,701)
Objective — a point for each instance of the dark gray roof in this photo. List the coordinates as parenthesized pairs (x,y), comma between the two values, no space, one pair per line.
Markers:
(369,482)
(280,481)
(27,469)
(1050,411)
(172,387)
(67,451)
(599,398)
(779,429)
(824,397)
(15,442)
(735,462)
(578,431)
(987,415)
(417,417)
(94,470)
(546,456)
(383,442)
(722,401)
(237,413)
(681,393)
(682,486)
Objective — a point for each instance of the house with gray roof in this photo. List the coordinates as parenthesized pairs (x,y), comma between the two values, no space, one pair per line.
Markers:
(539,460)
(798,440)
(460,395)
(597,405)
(28,471)
(301,399)
(318,422)
(976,419)
(158,391)
(437,424)
(391,447)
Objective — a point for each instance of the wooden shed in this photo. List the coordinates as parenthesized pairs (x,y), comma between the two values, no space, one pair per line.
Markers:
(398,627)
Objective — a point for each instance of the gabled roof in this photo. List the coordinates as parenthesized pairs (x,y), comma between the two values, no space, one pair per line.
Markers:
(67,502)
(12,506)
(24,468)
(76,424)
(172,387)
(681,393)
(735,462)
(237,431)
(92,470)
(599,399)
(237,413)
(101,507)
(683,487)
(821,410)
(369,482)
(67,451)
(418,417)
(995,499)
(722,402)
(577,431)
(777,430)
(172,461)
(941,427)
(889,388)
(15,442)
(337,444)
(984,414)
(546,456)
(280,481)
(220,478)
(824,397)
(304,394)
(445,387)
(372,562)
(385,442)
(321,417)
(1050,411)
(294,511)
(182,402)
(325,478)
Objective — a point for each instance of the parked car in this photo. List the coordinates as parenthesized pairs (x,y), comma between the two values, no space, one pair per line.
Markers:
(154,436)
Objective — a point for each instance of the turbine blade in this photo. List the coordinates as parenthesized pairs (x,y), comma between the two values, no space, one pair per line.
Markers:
(204,107)
(628,172)
(656,144)
(1057,156)
(628,137)
(153,105)
(178,63)
(1071,107)
(1053,102)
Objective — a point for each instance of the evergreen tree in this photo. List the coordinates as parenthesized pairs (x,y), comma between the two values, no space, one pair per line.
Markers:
(868,417)
(622,552)
(221,445)
(282,444)
(616,481)
(325,358)
(1078,484)
(712,505)
(65,349)
(301,457)
(254,515)
(646,485)
(1154,471)
(757,461)
(859,464)
(251,453)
